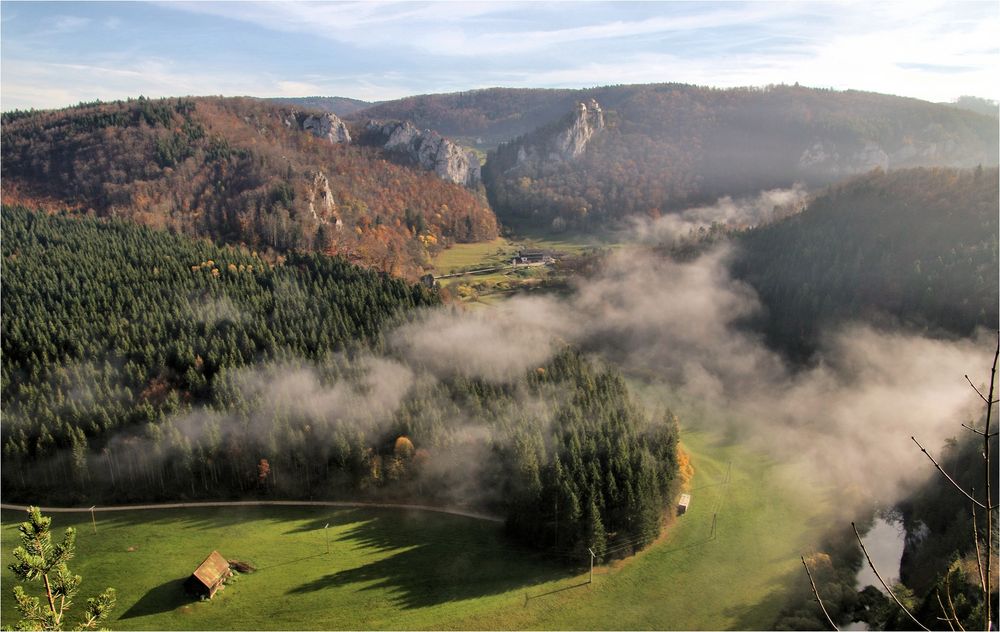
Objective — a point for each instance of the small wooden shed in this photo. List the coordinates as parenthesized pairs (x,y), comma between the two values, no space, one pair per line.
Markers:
(209,576)
(682,505)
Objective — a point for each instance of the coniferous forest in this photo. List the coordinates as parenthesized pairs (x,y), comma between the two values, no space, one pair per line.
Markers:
(140,365)
(914,247)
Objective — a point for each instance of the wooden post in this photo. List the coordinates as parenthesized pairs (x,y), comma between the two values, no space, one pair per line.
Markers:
(326,531)
(592,556)
(93,520)
(714,517)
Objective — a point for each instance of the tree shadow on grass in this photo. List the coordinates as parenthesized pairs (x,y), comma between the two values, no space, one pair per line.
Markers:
(427,560)
(167,596)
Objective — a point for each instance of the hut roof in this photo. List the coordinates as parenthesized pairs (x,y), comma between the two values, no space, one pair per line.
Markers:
(685,500)
(212,570)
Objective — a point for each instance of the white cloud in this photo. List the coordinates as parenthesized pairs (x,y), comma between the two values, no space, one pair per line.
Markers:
(935,50)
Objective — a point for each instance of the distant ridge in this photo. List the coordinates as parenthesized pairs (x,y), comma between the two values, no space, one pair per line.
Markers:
(341,106)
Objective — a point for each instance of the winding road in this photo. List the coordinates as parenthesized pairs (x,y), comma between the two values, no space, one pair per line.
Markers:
(266,503)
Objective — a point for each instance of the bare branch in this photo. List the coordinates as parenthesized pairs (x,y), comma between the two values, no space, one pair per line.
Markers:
(950,479)
(882,581)
(978,432)
(951,604)
(978,392)
(816,594)
(979,555)
(988,475)
(946,617)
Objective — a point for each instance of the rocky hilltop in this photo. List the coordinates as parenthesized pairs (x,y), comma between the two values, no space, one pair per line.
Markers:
(567,139)
(328,126)
(241,171)
(654,149)
(425,149)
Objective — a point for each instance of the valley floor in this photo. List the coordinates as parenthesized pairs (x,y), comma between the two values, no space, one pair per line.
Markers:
(399,569)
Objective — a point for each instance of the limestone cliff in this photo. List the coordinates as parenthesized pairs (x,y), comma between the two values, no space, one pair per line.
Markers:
(565,140)
(836,159)
(321,203)
(427,150)
(328,126)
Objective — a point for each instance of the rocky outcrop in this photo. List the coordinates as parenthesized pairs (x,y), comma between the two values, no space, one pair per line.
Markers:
(321,204)
(427,150)
(826,157)
(567,139)
(831,158)
(328,126)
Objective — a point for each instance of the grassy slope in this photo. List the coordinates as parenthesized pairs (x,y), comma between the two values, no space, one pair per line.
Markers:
(391,569)
(483,254)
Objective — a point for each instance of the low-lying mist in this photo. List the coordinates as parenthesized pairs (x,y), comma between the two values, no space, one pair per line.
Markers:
(673,327)
(669,229)
(847,417)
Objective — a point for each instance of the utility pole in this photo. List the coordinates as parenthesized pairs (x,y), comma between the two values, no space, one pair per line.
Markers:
(592,556)
(326,531)
(93,520)
(714,517)
(557,522)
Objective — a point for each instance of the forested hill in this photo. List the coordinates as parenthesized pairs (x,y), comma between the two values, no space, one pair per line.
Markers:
(239,170)
(478,117)
(108,325)
(341,106)
(915,246)
(665,147)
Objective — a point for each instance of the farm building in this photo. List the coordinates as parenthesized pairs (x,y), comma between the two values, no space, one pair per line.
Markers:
(529,257)
(682,505)
(209,576)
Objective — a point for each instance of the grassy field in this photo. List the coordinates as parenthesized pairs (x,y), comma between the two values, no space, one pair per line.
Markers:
(401,569)
(489,288)
(483,254)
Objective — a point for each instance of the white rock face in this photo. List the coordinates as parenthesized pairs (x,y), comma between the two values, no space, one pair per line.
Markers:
(428,150)
(328,126)
(571,142)
(568,143)
(830,158)
(827,157)
(321,204)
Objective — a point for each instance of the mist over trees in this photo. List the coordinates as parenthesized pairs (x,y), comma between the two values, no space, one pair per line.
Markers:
(140,365)
(108,325)
(669,146)
(916,247)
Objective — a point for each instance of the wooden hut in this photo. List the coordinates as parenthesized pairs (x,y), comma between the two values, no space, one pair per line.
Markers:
(682,505)
(209,576)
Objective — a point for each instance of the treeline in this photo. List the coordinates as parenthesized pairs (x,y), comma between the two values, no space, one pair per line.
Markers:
(108,325)
(671,146)
(341,106)
(916,246)
(239,170)
(139,365)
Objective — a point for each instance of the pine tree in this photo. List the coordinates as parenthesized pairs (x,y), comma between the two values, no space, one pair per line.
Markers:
(38,558)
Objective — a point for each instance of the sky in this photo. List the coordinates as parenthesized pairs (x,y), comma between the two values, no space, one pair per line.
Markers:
(54,54)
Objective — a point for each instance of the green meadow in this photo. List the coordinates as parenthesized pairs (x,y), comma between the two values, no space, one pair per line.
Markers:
(403,569)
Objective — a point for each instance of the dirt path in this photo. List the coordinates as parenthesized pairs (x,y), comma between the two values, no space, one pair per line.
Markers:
(262,503)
